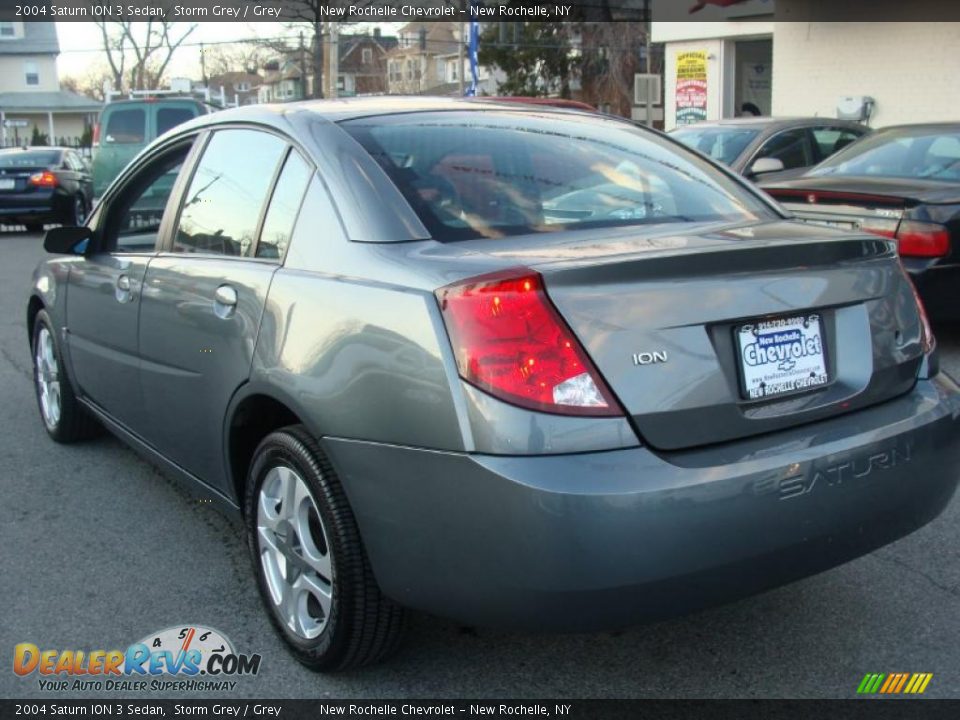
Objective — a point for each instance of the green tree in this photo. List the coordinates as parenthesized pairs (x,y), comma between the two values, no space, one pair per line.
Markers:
(39,138)
(538,58)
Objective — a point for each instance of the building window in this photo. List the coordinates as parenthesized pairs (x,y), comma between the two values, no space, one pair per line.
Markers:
(8,30)
(367,56)
(243,87)
(30,73)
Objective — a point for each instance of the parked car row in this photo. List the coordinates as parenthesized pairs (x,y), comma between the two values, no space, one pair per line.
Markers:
(43,185)
(901,183)
(525,367)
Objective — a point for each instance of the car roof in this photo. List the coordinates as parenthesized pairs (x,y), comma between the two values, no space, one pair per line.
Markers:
(343,109)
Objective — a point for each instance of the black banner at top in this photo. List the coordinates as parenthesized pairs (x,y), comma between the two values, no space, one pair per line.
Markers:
(481,10)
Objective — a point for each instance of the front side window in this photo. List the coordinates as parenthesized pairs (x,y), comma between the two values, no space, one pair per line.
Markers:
(495,173)
(31,73)
(791,147)
(125,126)
(133,219)
(222,206)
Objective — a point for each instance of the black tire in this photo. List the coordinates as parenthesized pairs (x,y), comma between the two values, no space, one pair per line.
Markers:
(74,423)
(78,213)
(363,626)
(33,227)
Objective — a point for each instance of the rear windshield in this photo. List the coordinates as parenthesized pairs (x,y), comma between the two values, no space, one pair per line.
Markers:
(41,158)
(493,173)
(170,117)
(722,144)
(125,126)
(916,153)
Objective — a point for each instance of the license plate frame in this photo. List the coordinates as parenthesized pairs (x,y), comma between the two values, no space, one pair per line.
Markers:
(781,356)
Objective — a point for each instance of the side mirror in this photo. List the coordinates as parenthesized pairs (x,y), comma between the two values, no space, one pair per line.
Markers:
(67,240)
(766,165)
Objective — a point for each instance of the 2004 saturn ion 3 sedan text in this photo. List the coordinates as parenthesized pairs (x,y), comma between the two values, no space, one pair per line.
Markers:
(521,367)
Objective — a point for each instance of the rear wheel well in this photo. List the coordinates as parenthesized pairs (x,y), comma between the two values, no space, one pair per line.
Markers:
(254,418)
(33,307)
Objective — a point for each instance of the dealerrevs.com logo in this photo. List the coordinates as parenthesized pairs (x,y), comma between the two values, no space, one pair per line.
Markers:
(186,658)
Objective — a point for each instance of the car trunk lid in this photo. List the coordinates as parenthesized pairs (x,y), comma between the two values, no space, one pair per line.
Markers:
(660,316)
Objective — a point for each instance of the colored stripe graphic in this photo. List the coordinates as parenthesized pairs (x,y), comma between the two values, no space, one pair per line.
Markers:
(894,683)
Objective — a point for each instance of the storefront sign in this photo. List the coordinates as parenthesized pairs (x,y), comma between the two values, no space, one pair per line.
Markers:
(691,93)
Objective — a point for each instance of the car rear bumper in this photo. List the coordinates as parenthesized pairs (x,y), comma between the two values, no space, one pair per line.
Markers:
(22,206)
(607,539)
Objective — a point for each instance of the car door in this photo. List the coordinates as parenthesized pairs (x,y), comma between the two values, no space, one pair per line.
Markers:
(105,288)
(203,299)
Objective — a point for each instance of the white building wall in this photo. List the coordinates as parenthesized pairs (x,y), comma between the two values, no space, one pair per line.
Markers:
(911,69)
(13,73)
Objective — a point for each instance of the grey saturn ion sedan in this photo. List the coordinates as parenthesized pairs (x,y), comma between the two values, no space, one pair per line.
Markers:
(520,367)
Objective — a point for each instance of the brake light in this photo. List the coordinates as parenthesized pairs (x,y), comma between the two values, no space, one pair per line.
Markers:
(922,239)
(43,179)
(511,342)
(96,134)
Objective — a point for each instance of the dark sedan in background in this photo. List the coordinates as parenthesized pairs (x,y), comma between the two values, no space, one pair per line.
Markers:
(901,183)
(44,185)
(772,147)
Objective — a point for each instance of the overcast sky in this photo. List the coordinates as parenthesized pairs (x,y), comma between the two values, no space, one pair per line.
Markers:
(80,43)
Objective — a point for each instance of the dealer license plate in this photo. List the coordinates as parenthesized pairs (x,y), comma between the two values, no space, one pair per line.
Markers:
(781,356)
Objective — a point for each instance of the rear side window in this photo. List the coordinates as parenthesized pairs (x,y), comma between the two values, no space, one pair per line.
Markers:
(829,140)
(494,173)
(284,205)
(125,126)
(228,190)
(170,117)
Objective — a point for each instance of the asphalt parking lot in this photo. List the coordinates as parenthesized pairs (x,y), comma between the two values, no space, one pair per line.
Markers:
(98,549)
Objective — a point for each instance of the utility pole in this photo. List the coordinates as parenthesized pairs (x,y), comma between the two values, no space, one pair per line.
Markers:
(460,59)
(334,60)
(203,65)
(303,68)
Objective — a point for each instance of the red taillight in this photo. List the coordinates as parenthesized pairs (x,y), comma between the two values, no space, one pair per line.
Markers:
(922,239)
(510,341)
(43,179)
(96,133)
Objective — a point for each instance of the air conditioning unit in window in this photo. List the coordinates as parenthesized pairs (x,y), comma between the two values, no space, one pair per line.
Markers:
(646,89)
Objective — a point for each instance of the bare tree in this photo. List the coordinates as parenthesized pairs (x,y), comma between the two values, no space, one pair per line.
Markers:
(138,53)
(236,57)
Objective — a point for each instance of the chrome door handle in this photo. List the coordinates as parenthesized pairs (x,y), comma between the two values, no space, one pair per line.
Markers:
(226,295)
(123,293)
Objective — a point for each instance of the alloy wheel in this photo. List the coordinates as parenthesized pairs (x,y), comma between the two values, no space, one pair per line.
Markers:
(294,553)
(48,378)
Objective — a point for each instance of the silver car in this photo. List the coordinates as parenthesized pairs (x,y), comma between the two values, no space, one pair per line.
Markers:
(775,148)
(521,367)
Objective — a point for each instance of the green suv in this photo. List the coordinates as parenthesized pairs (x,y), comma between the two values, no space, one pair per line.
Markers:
(127,126)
